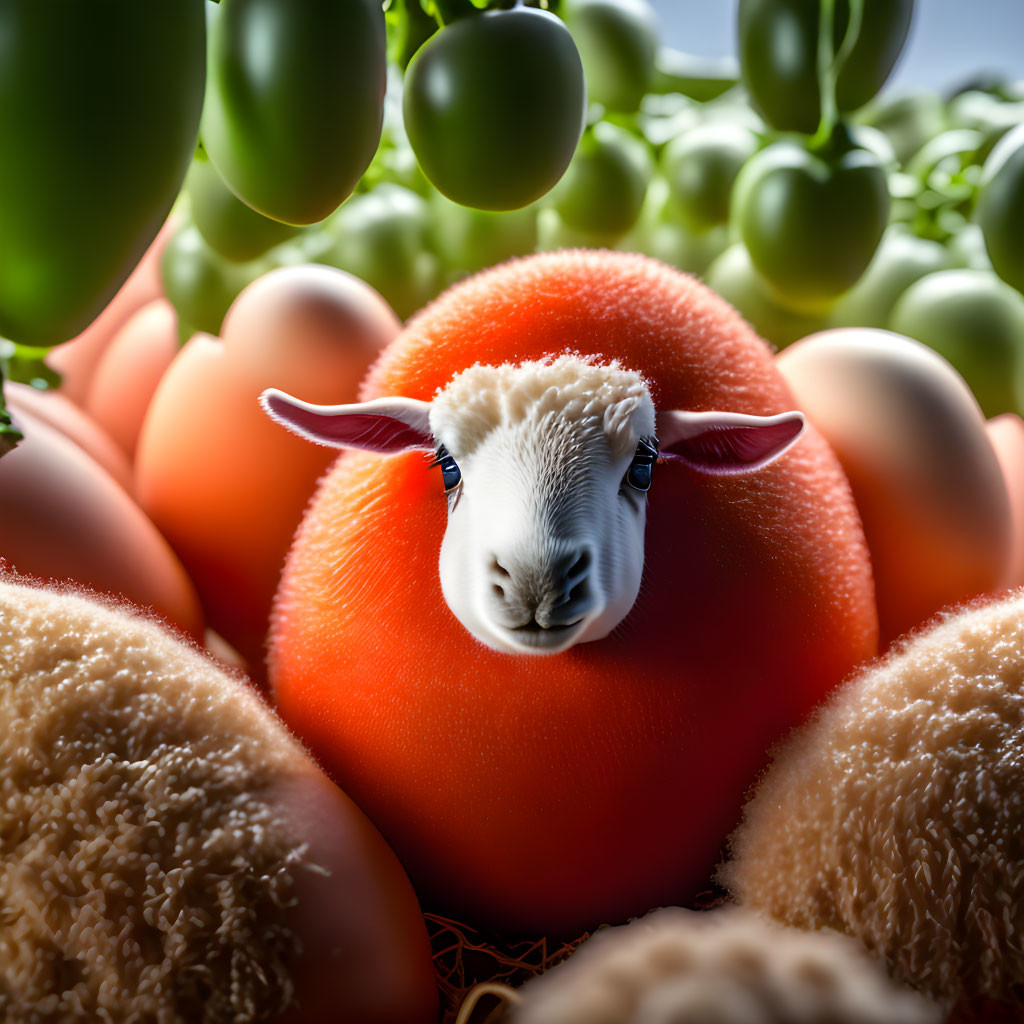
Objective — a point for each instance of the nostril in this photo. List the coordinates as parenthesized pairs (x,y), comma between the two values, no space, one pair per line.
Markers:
(578,592)
(581,565)
(498,569)
(498,591)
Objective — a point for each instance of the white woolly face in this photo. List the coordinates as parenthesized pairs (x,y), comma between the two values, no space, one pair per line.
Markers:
(544,546)
(545,467)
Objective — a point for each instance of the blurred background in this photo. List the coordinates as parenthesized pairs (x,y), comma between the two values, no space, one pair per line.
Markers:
(950,41)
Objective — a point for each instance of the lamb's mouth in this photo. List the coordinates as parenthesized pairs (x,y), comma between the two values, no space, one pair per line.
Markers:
(545,639)
(533,626)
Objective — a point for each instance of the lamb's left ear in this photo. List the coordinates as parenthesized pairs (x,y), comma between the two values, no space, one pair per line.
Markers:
(384,425)
(724,443)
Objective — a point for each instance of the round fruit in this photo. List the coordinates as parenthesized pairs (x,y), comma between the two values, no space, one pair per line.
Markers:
(295,101)
(233,229)
(494,106)
(786,194)
(1000,210)
(975,321)
(552,794)
(603,189)
(618,44)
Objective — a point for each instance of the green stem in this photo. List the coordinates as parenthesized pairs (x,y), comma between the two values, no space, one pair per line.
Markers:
(830,62)
(9,433)
(447,11)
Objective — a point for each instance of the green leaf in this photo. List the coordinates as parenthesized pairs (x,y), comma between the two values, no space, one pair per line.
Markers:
(24,364)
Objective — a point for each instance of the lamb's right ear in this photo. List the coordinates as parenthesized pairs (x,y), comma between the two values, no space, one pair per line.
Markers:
(385,425)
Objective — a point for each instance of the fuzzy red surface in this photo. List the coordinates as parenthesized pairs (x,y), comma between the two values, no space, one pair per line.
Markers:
(556,793)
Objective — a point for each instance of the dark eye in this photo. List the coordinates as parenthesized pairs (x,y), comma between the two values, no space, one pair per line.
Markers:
(641,469)
(450,472)
(639,475)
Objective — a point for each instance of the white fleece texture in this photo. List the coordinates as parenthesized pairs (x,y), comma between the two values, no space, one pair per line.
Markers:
(484,398)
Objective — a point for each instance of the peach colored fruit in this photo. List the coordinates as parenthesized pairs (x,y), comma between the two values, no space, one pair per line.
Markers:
(63,517)
(130,370)
(225,484)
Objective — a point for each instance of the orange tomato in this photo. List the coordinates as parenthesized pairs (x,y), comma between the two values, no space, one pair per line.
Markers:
(129,371)
(911,439)
(554,793)
(62,414)
(63,517)
(225,484)
(1006,432)
(360,905)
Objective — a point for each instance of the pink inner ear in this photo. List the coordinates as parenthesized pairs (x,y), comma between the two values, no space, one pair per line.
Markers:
(734,449)
(373,432)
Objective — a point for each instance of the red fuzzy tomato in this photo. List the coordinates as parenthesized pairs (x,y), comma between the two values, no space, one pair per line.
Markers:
(554,793)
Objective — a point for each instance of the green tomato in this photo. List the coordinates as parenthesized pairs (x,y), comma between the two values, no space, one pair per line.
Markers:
(232,228)
(99,110)
(778,51)
(976,322)
(901,260)
(295,101)
(701,166)
(811,222)
(967,249)
(618,42)
(1000,210)
(200,283)
(381,238)
(908,121)
(658,233)
(733,276)
(603,189)
(468,240)
(700,78)
(682,249)
(985,113)
(494,106)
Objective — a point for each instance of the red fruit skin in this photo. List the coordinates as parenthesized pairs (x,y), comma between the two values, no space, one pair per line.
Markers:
(365,953)
(551,794)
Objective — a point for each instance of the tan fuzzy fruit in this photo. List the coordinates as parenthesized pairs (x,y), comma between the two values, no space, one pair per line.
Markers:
(895,815)
(725,966)
(169,852)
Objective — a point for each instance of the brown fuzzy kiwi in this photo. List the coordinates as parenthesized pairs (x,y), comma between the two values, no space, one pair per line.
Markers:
(897,814)
(725,966)
(146,871)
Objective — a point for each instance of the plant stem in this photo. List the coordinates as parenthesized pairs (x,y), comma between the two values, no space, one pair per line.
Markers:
(447,11)
(9,433)
(830,62)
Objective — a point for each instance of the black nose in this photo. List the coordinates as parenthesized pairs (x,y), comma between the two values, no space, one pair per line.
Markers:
(555,593)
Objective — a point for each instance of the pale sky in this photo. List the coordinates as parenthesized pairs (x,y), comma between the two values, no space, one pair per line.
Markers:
(950,40)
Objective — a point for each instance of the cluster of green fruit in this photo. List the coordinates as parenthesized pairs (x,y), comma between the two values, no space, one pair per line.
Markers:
(419,143)
(799,195)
